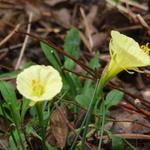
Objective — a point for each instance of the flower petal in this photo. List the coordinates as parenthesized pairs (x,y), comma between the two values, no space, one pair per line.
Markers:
(127,51)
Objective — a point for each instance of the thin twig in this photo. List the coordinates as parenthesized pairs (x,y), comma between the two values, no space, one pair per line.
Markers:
(143,22)
(7,78)
(134,109)
(10,35)
(25,42)
(87,28)
(130,136)
(10,48)
(135,4)
(85,41)
(113,86)
(123,9)
(80,74)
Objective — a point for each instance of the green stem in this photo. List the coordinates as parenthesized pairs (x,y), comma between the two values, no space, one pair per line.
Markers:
(102,124)
(13,137)
(41,123)
(96,96)
(20,138)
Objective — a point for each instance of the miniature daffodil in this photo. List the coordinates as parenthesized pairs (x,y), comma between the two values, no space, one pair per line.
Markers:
(39,83)
(126,54)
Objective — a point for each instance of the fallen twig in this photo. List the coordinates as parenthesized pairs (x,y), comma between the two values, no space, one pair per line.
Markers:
(24,43)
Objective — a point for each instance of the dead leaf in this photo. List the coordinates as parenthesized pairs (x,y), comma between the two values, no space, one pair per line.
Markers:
(129,127)
(62,17)
(98,39)
(58,128)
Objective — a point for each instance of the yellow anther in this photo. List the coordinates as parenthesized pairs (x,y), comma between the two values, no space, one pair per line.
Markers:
(37,88)
(146,48)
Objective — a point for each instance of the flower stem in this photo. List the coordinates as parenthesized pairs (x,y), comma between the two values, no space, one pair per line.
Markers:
(102,124)
(41,123)
(96,96)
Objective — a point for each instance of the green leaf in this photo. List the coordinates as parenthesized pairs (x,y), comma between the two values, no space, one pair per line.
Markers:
(10,74)
(72,47)
(5,114)
(113,98)
(9,96)
(50,54)
(12,144)
(85,98)
(94,62)
(24,108)
(28,64)
(117,143)
(14,136)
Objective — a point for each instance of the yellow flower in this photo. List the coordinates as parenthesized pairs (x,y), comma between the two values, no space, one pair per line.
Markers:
(39,83)
(126,54)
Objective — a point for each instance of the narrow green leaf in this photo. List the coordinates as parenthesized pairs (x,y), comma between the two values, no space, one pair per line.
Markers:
(5,114)
(16,138)
(9,96)
(10,74)
(50,55)
(113,98)
(12,144)
(72,47)
(117,143)
(24,108)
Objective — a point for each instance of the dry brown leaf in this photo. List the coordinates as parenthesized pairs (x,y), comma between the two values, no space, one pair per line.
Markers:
(98,39)
(62,17)
(129,127)
(58,128)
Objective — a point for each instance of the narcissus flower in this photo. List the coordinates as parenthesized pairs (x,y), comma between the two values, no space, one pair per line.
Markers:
(39,83)
(126,54)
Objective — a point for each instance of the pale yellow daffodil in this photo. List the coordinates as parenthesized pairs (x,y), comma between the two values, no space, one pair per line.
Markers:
(126,54)
(39,83)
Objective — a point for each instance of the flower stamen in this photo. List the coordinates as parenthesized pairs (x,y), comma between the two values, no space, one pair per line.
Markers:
(146,48)
(37,88)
